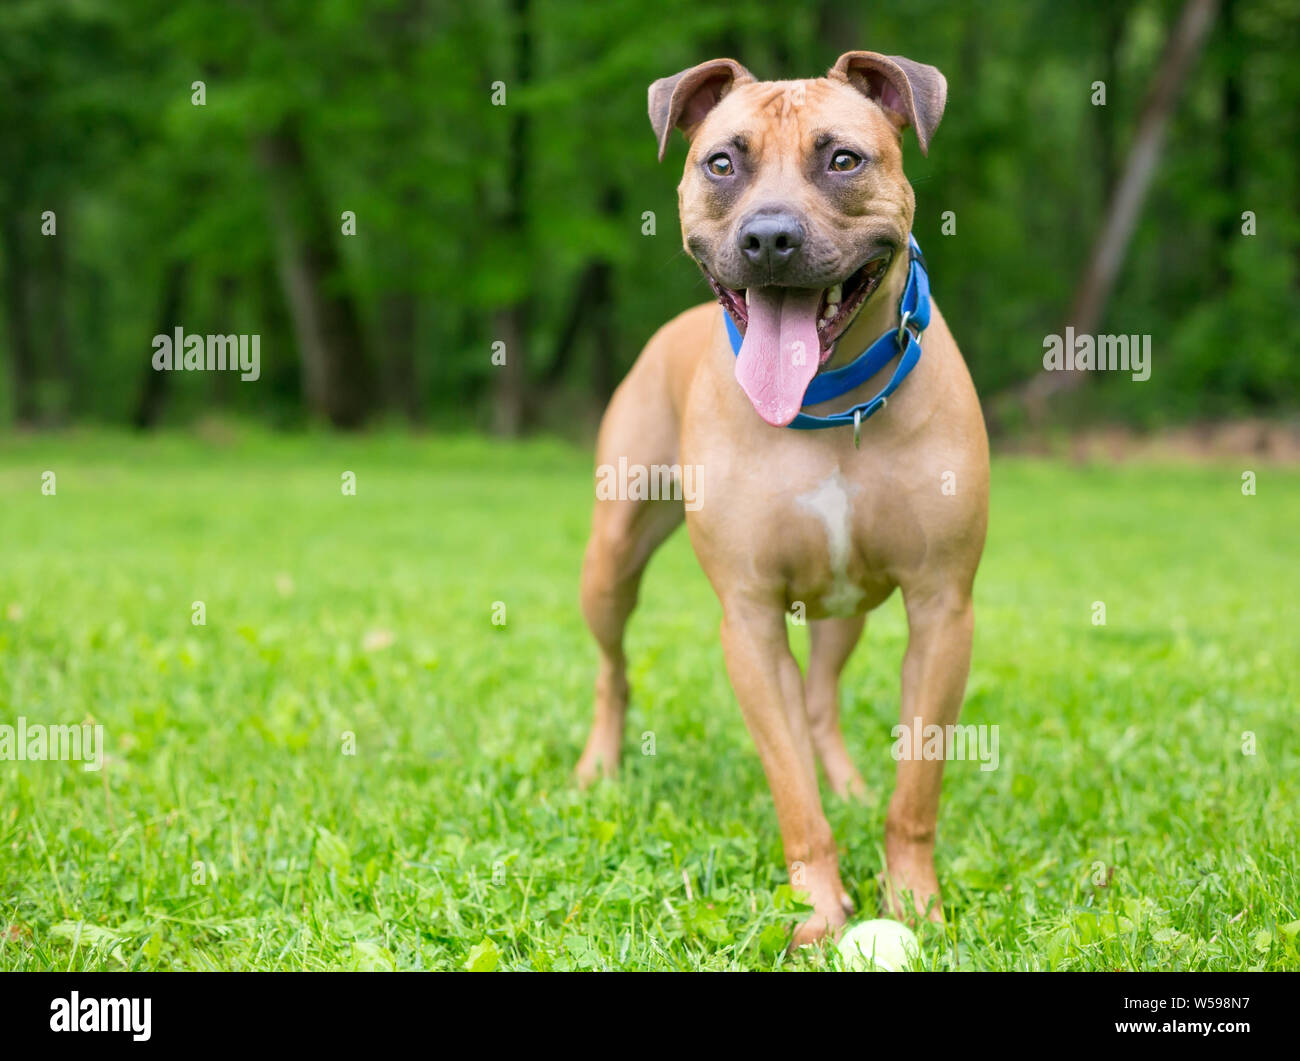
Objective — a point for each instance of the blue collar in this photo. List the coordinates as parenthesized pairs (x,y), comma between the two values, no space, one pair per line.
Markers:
(913,311)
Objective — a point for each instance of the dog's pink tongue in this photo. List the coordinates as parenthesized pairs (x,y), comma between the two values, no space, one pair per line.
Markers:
(781,351)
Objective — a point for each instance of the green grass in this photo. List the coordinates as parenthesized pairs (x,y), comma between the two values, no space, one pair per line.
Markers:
(229,830)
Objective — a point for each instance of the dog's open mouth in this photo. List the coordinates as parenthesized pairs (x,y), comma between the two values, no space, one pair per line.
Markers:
(790,332)
(835,312)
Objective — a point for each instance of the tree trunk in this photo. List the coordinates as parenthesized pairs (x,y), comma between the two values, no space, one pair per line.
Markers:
(1108,252)
(591,306)
(22,361)
(154,384)
(1113,16)
(508,396)
(510,323)
(224,383)
(1231,151)
(55,309)
(575,317)
(402,377)
(603,333)
(336,374)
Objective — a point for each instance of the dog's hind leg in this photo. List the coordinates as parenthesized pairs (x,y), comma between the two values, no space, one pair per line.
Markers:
(638,432)
(623,535)
(831,642)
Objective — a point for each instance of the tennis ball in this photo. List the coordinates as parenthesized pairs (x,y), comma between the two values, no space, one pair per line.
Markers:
(878,946)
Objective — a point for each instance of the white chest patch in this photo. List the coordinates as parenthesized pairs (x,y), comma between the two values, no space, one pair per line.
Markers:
(831,503)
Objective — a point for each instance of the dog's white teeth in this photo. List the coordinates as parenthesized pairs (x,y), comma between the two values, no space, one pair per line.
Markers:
(833,296)
(746,298)
(831,310)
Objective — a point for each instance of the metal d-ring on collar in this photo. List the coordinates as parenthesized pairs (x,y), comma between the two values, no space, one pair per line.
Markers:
(914,317)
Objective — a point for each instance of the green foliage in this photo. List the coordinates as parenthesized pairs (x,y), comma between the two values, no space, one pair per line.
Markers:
(469,208)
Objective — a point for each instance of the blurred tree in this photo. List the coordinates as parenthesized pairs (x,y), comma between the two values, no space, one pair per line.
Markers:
(1094,290)
(511,319)
(337,376)
(548,223)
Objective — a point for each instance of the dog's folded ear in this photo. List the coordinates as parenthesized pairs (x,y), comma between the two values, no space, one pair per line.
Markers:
(909,93)
(684,100)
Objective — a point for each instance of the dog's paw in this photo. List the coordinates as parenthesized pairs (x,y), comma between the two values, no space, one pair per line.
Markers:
(591,769)
(908,904)
(817,928)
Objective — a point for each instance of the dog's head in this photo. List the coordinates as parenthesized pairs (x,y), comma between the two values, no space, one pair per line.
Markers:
(794,201)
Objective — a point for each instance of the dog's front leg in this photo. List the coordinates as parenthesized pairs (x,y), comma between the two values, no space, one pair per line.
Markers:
(941,623)
(769,687)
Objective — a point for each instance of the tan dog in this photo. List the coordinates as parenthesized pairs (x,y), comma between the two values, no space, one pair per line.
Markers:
(795,205)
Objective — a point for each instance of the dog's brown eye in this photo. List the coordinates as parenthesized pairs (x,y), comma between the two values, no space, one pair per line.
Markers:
(845,161)
(720,166)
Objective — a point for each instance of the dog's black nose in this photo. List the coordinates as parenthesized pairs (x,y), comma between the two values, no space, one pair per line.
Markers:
(771,240)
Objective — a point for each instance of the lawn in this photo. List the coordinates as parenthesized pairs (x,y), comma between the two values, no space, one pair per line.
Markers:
(349,765)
